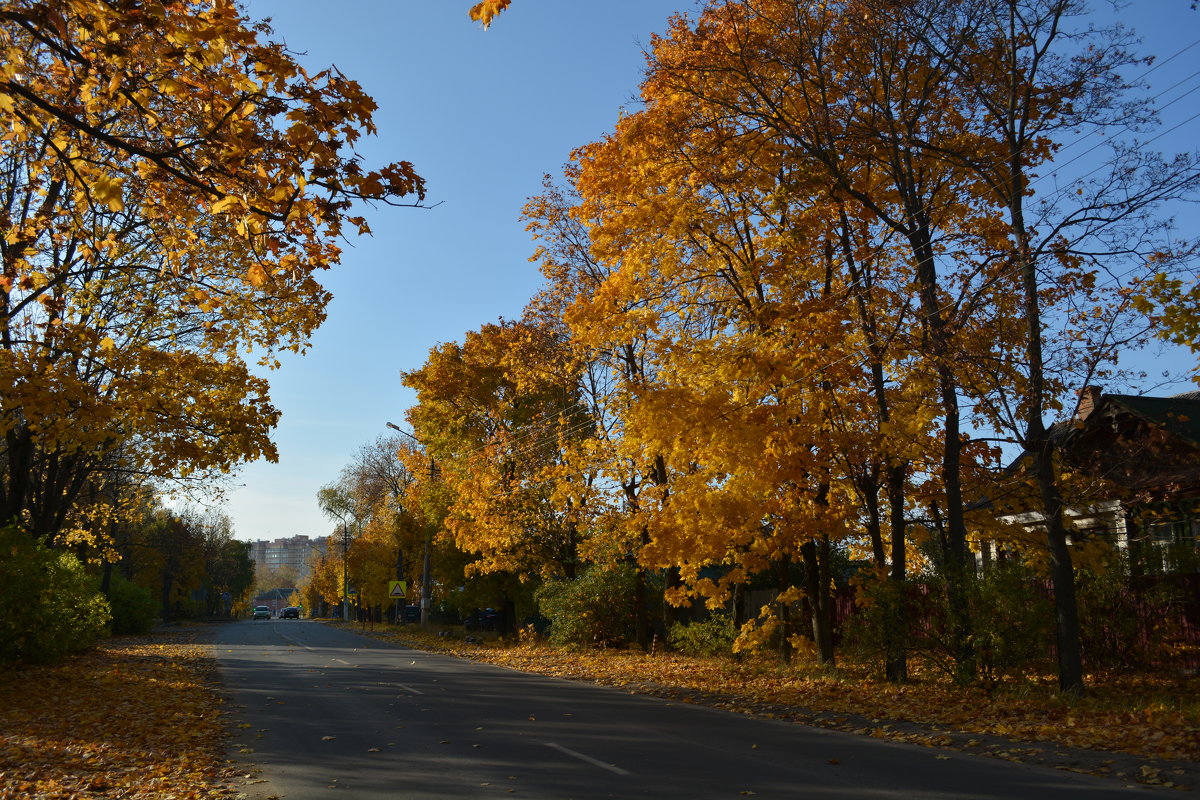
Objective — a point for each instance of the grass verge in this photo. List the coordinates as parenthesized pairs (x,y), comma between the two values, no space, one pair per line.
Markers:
(137,717)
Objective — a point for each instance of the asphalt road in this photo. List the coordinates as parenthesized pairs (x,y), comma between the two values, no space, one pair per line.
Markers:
(328,714)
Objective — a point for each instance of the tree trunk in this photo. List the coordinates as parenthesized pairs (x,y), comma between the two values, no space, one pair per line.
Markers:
(1039,443)
(896,636)
(956,571)
(783,584)
(167,581)
(670,615)
(816,555)
(641,610)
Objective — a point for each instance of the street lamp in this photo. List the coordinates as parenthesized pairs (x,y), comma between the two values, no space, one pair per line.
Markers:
(345,577)
(426,576)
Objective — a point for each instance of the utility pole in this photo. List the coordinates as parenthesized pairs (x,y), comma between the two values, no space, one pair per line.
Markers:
(345,577)
(400,577)
(426,579)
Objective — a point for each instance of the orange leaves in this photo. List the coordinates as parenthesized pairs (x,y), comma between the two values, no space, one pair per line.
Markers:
(499,413)
(256,275)
(135,718)
(484,12)
(177,181)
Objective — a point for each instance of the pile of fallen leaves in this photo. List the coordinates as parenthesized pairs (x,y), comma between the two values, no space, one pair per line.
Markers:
(138,717)
(1155,719)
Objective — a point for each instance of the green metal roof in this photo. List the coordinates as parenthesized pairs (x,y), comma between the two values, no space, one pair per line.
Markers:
(1179,415)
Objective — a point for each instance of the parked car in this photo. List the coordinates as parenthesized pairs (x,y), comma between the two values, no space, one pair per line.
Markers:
(261,612)
(291,612)
(482,619)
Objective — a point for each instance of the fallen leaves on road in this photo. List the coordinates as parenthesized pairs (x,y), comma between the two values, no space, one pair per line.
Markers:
(136,718)
(1149,717)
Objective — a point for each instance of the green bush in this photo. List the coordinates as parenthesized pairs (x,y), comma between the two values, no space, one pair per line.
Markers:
(1122,626)
(49,605)
(133,609)
(711,637)
(1013,619)
(595,609)
(1011,624)
(882,619)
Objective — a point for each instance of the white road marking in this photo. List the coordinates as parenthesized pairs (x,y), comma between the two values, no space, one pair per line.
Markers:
(409,688)
(287,638)
(594,762)
(347,663)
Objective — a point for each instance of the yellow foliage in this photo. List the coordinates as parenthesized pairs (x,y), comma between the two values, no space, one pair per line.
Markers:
(161,226)
(484,12)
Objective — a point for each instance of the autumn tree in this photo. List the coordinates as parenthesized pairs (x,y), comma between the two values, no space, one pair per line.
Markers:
(174,564)
(496,414)
(632,483)
(748,268)
(338,502)
(172,183)
(372,492)
(1040,81)
(323,584)
(228,570)
(860,154)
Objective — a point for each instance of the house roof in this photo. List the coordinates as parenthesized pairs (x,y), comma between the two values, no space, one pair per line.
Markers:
(1179,414)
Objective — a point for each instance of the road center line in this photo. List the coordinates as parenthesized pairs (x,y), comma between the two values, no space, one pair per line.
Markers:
(297,642)
(409,688)
(594,762)
(347,663)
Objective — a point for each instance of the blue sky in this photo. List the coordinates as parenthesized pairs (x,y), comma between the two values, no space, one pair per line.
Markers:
(482,115)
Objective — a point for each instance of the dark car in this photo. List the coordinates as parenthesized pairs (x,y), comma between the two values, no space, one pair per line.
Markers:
(483,619)
(291,612)
(261,612)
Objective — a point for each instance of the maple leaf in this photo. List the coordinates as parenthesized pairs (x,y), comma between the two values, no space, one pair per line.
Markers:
(108,191)
(484,12)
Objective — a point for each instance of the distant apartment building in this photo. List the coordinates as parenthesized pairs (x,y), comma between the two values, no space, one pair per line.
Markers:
(293,551)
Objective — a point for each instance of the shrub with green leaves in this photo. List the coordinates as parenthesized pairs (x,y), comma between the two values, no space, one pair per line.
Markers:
(711,637)
(1013,616)
(49,605)
(1129,622)
(133,609)
(880,625)
(595,609)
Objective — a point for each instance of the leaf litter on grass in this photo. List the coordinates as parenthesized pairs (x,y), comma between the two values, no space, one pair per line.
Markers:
(137,717)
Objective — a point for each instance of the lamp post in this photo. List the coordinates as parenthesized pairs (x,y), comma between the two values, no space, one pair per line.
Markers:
(426,575)
(345,577)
